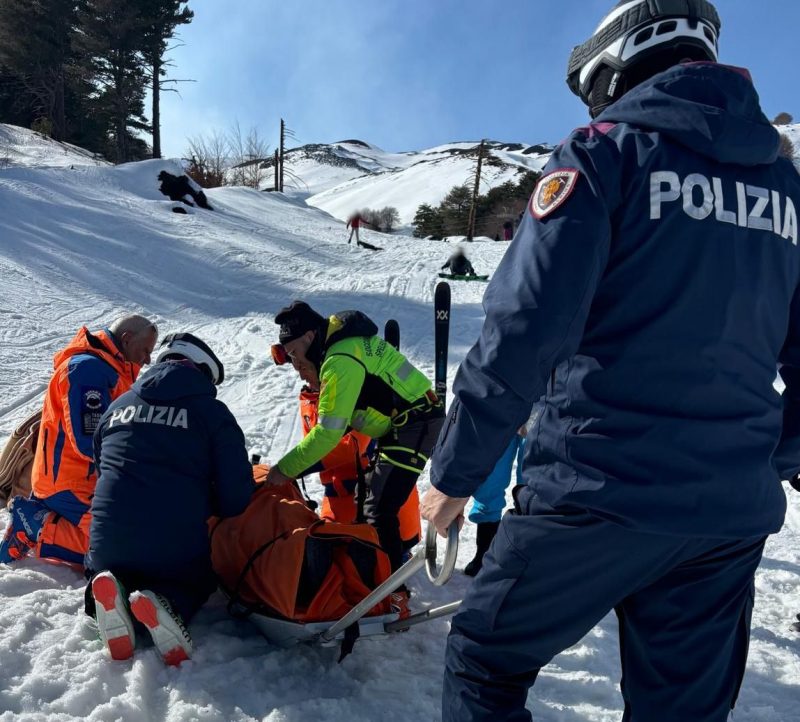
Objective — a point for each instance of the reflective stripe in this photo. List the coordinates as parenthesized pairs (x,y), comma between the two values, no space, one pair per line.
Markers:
(404,371)
(405,450)
(359,420)
(334,423)
(415,469)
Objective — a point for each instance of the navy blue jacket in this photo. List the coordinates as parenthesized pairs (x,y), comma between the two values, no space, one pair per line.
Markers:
(169,455)
(650,311)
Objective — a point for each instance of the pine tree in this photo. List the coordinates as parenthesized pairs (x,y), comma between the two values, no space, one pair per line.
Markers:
(455,210)
(428,222)
(162,19)
(36,50)
(112,38)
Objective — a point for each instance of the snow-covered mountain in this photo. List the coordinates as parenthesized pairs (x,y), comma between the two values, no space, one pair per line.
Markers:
(792,132)
(344,177)
(80,244)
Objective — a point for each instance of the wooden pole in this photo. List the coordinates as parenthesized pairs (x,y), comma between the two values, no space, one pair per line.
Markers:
(283,145)
(475,192)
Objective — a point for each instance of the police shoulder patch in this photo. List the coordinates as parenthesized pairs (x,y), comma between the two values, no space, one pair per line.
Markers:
(552,190)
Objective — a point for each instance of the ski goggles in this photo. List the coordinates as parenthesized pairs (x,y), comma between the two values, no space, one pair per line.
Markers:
(279,355)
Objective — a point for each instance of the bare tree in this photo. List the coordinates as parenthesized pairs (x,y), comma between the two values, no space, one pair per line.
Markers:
(389,218)
(208,159)
(249,156)
(783,119)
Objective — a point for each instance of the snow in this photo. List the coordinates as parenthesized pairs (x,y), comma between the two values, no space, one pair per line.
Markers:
(83,245)
(23,147)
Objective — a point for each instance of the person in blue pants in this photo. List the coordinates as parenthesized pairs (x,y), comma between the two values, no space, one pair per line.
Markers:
(489,499)
(645,303)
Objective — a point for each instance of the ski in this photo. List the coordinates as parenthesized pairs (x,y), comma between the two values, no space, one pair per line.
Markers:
(391,333)
(441,307)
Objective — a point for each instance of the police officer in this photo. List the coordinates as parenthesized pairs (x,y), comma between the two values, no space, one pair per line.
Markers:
(170,455)
(649,295)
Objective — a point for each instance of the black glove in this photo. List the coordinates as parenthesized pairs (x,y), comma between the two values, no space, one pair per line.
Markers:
(795,482)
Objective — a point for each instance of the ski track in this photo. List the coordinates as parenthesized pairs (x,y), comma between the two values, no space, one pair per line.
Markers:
(105,242)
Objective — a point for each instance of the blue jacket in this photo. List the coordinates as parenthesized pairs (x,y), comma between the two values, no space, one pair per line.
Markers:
(169,456)
(649,306)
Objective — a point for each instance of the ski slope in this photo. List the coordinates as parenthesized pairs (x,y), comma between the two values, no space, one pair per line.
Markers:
(345,177)
(81,243)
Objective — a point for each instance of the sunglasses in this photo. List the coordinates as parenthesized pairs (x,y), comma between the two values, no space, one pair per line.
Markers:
(279,355)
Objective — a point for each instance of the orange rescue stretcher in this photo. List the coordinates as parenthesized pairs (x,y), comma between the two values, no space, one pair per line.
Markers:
(302,579)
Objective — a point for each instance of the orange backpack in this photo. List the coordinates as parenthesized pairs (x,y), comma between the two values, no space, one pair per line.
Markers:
(278,558)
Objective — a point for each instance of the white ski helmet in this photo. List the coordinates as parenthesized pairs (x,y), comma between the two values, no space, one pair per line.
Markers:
(636,40)
(187,345)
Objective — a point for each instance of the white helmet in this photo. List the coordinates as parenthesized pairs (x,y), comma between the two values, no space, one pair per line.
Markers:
(661,31)
(187,345)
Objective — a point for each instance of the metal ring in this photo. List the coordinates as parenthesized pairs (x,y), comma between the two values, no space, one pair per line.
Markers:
(442,576)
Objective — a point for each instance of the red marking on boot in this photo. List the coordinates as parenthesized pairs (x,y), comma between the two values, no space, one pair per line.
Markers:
(104,591)
(121,648)
(175,656)
(145,611)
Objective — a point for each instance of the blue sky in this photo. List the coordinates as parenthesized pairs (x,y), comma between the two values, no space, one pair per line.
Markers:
(412,74)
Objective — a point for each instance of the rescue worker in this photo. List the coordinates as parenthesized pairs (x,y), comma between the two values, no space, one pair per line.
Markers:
(344,468)
(459,264)
(367,385)
(650,293)
(169,455)
(93,370)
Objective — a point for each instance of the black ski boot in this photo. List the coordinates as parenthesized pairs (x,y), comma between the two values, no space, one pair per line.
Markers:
(486,532)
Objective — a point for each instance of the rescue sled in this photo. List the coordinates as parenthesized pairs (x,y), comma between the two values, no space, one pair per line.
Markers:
(355,624)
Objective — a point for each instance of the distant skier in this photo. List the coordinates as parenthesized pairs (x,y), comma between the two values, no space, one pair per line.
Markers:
(354,223)
(459,264)
(508,230)
(649,296)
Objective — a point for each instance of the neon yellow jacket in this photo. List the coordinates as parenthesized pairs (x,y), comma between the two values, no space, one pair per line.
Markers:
(364,382)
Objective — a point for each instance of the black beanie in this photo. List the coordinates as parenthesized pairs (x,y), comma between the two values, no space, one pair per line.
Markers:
(296,319)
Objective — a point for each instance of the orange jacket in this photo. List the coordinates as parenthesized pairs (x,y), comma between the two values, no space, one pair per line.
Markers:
(340,474)
(89,374)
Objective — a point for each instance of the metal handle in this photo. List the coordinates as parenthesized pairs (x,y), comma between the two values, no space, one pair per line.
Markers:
(442,576)
(426,556)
